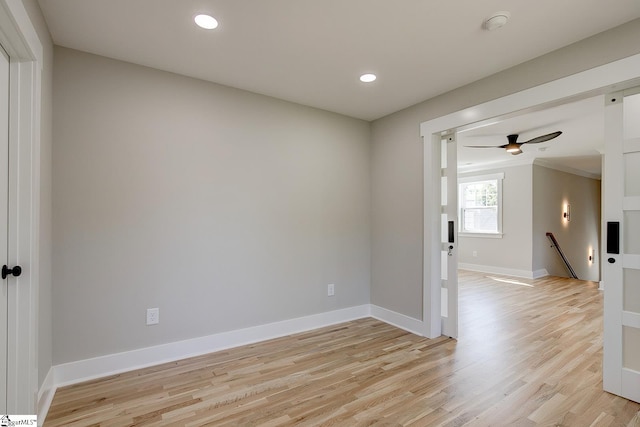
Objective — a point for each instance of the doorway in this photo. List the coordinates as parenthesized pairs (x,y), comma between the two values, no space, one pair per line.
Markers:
(505,231)
(600,80)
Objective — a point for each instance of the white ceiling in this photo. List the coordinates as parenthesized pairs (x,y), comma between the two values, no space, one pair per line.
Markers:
(578,149)
(313,51)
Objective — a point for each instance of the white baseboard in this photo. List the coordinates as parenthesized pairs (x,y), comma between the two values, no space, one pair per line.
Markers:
(45,396)
(88,369)
(398,320)
(111,364)
(526,274)
(540,273)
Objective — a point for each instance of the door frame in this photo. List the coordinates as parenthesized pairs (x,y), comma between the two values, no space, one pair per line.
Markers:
(20,39)
(610,77)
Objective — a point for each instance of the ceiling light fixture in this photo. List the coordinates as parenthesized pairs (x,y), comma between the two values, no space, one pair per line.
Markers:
(207,22)
(498,20)
(368,78)
(513,148)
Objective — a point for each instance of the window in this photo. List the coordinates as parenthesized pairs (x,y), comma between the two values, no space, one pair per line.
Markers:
(480,205)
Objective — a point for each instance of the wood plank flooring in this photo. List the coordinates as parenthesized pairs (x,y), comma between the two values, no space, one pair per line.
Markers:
(529,353)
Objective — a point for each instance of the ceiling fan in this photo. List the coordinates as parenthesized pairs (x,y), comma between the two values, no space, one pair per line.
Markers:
(514,147)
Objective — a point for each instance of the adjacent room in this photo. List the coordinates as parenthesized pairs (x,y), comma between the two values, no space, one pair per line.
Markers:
(241,212)
(537,185)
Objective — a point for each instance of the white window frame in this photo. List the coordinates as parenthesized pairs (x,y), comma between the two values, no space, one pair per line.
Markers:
(498,177)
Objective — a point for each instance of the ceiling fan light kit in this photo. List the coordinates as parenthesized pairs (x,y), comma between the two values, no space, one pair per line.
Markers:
(514,147)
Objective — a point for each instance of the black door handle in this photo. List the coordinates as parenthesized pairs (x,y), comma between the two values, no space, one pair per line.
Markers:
(16,271)
(613,237)
(451,230)
(611,260)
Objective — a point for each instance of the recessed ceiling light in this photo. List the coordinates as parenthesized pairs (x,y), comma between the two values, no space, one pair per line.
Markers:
(368,78)
(207,22)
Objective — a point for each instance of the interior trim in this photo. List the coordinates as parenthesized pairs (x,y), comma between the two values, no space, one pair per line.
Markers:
(617,75)
(20,40)
(398,320)
(525,274)
(110,364)
(45,396)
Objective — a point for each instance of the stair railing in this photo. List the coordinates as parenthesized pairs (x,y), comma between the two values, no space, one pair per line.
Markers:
(554,243)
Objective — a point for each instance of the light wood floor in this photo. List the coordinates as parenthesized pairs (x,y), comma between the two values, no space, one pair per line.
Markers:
(529,353)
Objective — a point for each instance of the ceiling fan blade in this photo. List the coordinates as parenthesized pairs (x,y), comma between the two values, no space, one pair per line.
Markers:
(543,138)
(485,146)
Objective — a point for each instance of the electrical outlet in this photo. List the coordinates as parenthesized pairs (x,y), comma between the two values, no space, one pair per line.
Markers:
(153,316)
(331,290)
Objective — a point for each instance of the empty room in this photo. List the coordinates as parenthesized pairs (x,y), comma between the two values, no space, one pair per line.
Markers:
(252,213)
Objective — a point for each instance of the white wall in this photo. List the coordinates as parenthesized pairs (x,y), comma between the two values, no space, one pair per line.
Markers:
(223,208)
(396,246)
(551,190)
(397,153)
(514,250)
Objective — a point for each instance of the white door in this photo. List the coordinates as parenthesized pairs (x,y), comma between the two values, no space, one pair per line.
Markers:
(621,245)
(449,237)
(4,188)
